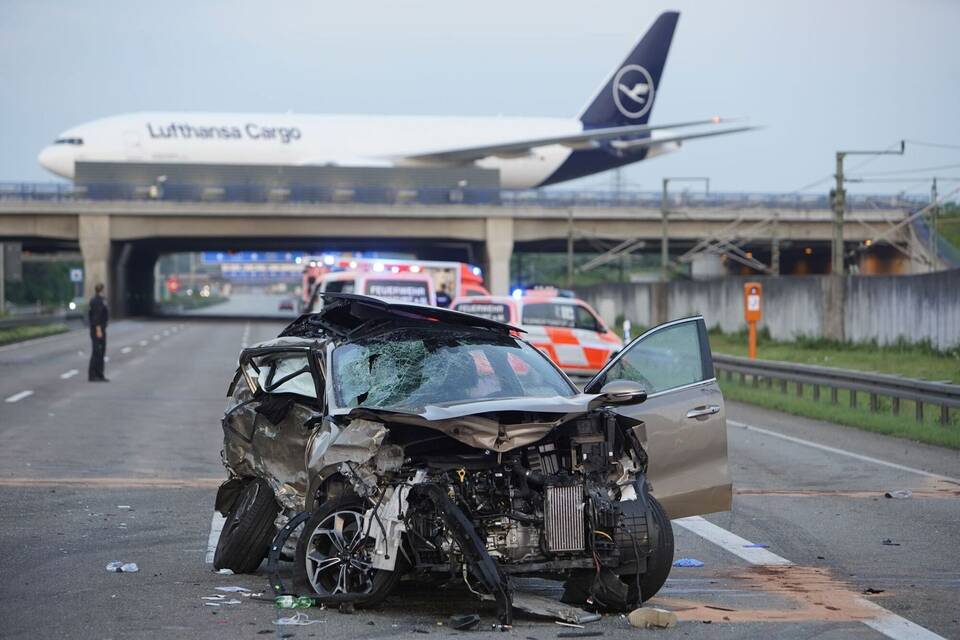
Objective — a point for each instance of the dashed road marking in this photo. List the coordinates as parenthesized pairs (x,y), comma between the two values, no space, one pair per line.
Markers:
(842,452)
(216,526)
(245,338)
(126,350)
(66,375)
(17,397)
(156,336)
(143,343)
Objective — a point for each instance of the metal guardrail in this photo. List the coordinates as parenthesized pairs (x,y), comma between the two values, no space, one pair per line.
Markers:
(11,322)
(876,385)
(307,193)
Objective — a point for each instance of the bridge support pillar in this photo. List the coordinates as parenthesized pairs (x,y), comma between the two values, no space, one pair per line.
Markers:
(94,235)
(499,245)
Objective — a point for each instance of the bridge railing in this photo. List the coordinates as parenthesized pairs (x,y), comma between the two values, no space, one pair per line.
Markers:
(548,197)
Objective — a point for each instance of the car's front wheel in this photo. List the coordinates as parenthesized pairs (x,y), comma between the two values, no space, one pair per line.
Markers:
(661,557)
(333,556)
(248,530)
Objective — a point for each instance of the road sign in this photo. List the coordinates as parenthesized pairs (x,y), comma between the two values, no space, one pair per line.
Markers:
(76,275)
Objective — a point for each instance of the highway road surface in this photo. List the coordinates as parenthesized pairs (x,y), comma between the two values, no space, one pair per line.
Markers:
(75,455)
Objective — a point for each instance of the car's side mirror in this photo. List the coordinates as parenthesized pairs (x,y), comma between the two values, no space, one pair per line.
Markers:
(622,392)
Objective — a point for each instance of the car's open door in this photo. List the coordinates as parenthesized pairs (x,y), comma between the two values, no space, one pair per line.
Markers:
(684,418)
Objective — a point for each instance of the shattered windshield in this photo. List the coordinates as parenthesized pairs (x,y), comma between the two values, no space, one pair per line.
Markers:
(408,369)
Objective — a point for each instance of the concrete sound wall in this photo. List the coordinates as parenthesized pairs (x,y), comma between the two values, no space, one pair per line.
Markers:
(885,308)
(856,308)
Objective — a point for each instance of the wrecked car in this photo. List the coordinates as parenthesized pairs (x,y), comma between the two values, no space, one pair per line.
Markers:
(412,440)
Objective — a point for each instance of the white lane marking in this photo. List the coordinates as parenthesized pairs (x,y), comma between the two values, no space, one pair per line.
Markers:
(894,626)
(729,541)
(885,622)
(245,338)
(143,343)
(17,397)
(68,374)
(126,350)
(166,333)
(842,452)
(156,336)
(216,526)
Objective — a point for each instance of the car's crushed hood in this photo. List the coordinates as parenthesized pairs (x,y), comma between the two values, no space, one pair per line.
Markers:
(495,425)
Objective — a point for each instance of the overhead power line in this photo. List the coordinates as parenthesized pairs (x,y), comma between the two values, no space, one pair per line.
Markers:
(937,145)
(917,170)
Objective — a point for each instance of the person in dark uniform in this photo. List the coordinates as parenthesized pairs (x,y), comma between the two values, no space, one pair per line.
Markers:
(98,315)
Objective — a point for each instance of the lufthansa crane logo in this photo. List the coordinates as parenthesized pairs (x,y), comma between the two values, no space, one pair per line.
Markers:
(633,91)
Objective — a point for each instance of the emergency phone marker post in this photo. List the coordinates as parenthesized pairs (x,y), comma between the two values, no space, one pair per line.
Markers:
(752,292)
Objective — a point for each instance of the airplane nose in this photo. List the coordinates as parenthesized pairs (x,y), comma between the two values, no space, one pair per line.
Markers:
(57,159)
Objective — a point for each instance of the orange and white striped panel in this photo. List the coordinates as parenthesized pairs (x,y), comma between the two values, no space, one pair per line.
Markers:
(574,350)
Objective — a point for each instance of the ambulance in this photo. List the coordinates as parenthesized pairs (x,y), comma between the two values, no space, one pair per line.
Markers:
(416,288)
(450,279)
(567,329)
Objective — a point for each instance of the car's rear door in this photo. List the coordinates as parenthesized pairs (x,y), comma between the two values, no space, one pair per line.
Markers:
(684,417)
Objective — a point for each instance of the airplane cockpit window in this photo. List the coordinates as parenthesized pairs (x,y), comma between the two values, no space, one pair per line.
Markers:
(73,141)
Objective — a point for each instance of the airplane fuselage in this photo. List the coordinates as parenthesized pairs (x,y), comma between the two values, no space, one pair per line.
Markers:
(294,139)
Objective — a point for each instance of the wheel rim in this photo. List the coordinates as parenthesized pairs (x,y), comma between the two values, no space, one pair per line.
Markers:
(336,560)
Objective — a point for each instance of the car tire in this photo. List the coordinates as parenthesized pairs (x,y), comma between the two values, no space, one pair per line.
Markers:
(248,530)
(660,560)
(350,509)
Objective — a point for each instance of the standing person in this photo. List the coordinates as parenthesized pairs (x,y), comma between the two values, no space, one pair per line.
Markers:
(98,315)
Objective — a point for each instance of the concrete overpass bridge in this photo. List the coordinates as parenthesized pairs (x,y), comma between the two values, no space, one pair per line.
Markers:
(120,240)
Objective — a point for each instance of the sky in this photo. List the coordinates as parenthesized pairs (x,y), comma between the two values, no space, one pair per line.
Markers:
(818,76)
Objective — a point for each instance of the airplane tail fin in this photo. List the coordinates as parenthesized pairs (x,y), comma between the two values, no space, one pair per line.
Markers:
(627,96)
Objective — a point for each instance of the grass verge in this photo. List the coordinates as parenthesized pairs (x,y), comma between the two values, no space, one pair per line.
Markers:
(920,362)
(19,334)
(929,431)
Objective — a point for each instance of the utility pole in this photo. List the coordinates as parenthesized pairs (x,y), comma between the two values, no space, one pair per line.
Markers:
(664,234)
(775,246)
(840,202)
(3,278)
(664,229)
(934,211)
(570,249)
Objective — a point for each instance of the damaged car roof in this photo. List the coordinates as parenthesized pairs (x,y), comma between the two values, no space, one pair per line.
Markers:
(345,313)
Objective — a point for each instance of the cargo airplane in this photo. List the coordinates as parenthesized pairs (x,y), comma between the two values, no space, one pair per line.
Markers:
(610,132)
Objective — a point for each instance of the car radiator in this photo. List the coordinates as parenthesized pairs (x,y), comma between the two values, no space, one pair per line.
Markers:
(563,518)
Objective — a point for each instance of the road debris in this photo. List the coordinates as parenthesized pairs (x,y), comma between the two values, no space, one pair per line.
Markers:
(217,602)
(224,572)
(899,494)
(687,562)
(890,543)
(756,545)
(293,602)
(125,507)
(233,589)
(299,619)
(465,622)
(652,618)
(122,567)
(871,591)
